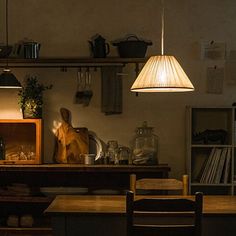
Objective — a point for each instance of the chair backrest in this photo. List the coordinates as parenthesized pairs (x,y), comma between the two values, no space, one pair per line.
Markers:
(158,207)
(159,184)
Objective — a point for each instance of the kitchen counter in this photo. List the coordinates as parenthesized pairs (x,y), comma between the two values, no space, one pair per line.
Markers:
(89,176)
(85,168)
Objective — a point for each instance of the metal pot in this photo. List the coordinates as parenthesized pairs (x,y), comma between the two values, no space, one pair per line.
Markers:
(132,47)
(31,50)
(27,49)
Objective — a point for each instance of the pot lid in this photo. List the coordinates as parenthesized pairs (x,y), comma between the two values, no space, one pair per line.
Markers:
(131,38)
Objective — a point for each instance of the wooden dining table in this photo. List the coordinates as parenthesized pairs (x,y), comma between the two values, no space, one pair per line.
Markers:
(105,215)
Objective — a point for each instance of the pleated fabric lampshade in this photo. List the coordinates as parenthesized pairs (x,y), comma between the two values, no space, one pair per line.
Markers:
(162,74)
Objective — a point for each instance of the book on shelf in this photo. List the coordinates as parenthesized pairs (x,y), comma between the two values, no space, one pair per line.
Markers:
(216,168)
(201,173)
(227,165)
(220,167)
(213,166)
(206,166)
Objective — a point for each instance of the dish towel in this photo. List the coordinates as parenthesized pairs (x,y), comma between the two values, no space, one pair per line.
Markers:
(111,90)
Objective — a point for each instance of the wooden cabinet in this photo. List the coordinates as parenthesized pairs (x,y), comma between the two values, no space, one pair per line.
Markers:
(22,141)
(18,207)
(211,149)
(91,177)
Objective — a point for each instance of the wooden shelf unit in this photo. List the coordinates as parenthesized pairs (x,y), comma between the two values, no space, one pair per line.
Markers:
(199,119)
(46,231)
(20,206)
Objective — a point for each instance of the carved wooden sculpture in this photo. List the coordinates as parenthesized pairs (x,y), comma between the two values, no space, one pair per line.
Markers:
(70,142)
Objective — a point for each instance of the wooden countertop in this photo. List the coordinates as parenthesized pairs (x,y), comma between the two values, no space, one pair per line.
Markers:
(93,204)
(87,204)
(84,168)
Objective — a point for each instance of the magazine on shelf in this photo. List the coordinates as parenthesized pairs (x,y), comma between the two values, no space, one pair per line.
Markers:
(214,166)
(207,166)
(227,165)
(220,166)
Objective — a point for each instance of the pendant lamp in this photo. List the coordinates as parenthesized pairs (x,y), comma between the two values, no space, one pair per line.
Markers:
(8,79)
(162,73)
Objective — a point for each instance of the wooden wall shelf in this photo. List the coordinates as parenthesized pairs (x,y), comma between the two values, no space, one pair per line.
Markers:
(51,62)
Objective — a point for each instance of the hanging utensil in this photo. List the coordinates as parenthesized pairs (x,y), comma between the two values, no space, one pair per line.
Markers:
(79,95)
(88,93)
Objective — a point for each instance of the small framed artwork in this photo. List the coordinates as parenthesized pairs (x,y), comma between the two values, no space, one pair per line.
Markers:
(213,50)
(215,78)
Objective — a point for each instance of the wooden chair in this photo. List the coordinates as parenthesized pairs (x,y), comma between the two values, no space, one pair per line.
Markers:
(159,208)
(159,184)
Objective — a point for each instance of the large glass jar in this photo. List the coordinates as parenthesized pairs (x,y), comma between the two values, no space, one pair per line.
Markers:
(144,146)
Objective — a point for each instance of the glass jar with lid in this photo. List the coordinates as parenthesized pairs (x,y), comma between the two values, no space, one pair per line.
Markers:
(144,146)
(112,152)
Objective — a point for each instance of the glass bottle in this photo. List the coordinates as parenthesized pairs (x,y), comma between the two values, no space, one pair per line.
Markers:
(2,149)
(124,155)
(145,146)
(112,152)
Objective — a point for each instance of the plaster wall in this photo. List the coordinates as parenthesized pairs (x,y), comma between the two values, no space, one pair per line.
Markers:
(63,27)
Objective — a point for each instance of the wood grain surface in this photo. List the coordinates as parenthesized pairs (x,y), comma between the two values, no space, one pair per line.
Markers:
(90,204)
(84,168)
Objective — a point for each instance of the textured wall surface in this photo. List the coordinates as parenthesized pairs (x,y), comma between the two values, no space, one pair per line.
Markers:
(63,27)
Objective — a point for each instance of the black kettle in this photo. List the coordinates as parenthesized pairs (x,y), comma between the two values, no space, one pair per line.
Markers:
(99,47)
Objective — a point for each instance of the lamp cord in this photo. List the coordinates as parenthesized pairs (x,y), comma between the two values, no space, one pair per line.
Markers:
(7,22)
(7,27)
(162,27)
